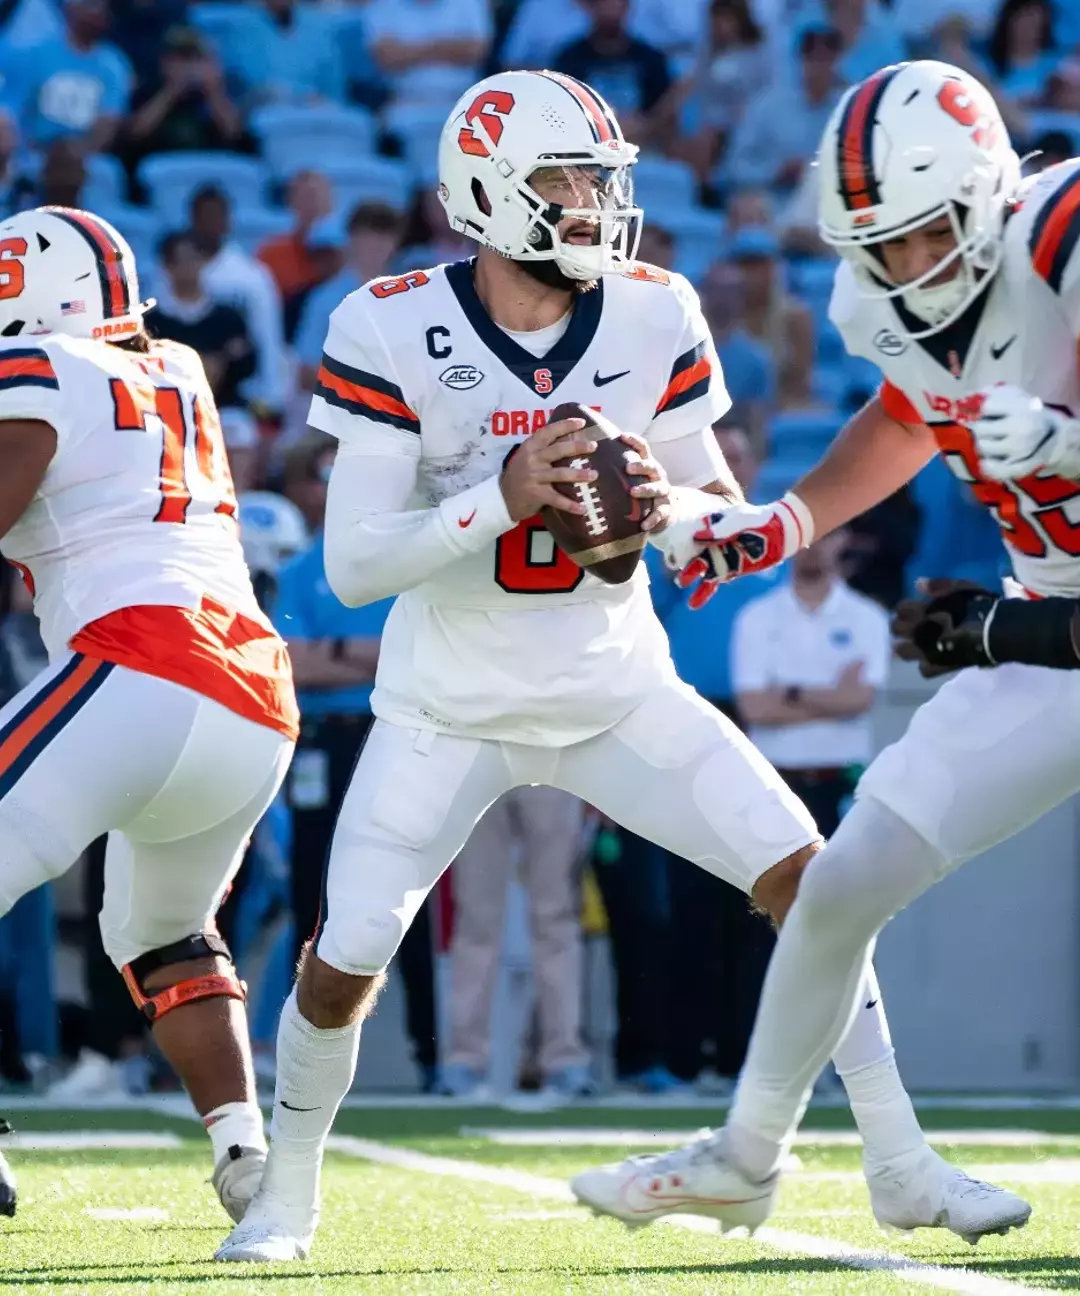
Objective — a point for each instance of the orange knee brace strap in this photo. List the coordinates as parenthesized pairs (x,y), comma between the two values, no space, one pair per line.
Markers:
(212,985)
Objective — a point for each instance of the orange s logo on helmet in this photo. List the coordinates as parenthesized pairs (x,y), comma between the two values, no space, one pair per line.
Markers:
(484,109)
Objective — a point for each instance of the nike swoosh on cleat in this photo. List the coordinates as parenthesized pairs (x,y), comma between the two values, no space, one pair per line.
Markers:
(290,1107)
(466,521)
(871,1003)
(608,378)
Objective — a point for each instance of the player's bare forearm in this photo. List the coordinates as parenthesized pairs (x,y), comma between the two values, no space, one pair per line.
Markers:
(872,457)
(316,664)
(772,707)
(839,703)
(26,450)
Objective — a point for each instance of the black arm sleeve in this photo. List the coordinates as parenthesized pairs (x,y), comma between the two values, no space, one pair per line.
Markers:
(1035,632)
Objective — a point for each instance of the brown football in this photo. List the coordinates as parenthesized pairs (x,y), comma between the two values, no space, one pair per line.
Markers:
(607,540)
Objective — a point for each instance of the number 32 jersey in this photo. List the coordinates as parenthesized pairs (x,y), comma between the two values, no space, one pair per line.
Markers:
(514,641)
(130,547)
(1022,330)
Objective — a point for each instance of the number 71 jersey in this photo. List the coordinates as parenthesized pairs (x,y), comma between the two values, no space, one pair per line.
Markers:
(136,507)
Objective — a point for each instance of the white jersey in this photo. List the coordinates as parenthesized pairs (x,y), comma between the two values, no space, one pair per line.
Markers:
(1023,330)
(515,641)
(136,508)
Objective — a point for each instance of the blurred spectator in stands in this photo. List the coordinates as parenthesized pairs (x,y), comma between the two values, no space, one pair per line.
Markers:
(185,312)
(772,315)
(783,123)
(11,182)
(77,86)
(749,368)
(1049,149)
(796,223)
(232,276)
(334,651)
(286,52)
(296,264)
(917,17)
(870,39)
(733,64)
(882,541)
(950,40)
(246,449)
(1063,89)
(1022,50)
(188,107)
(807,661)
(60,181)
(139,29)
(632,76)
(748,207)
(374,235)
(429,51)
(535,832)
(428,238)
(26,23)
(657,246)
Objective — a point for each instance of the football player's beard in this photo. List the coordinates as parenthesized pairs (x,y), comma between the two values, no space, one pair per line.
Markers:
(549,274)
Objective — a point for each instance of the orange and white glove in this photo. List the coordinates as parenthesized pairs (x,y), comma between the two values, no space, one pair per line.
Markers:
(743,540)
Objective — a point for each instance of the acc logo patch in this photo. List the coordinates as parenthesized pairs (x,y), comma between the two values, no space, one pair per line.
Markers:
(890,343)
(461,377)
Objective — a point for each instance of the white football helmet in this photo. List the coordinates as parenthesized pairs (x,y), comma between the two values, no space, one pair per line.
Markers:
(67,271)
(912,143)
(272,530)
(503,130)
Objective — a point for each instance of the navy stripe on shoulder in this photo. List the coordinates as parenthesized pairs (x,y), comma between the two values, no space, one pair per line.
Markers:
(700,388)
(363,378)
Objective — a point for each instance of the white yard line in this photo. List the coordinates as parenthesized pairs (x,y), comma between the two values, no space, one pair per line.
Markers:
(80,1140)
(953,1280)
(583,1136)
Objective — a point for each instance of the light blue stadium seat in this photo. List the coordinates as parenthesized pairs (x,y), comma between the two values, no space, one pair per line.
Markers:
(222,23)
(252,226)
(172,178)
(141,226)
(371,179)
(802,434)
(699,235)
(293,137)
(665,182)
(106,182)
(418,127)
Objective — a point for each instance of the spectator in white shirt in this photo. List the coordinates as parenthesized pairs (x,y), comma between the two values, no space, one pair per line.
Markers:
(234,277)
(807,661)
(430,51)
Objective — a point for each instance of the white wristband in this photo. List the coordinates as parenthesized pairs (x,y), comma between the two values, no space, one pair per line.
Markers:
(803,521)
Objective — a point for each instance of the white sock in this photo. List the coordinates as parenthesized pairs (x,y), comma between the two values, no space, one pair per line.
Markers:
(235,1124)
(315,1070)
(866,1063)
(873,866)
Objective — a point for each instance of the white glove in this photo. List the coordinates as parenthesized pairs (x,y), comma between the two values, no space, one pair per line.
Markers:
(1016,435)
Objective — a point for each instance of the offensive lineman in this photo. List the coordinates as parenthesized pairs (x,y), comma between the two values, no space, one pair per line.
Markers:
(503,663)
(963,284)
(167,716)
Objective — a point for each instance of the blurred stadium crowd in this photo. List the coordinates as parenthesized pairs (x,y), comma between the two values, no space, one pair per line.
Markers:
(266,158)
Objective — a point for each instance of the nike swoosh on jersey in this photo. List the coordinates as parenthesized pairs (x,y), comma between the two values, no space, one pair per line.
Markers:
(466,521)
(608,378)
(998,351)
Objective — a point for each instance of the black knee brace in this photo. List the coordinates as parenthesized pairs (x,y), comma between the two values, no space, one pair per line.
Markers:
(214,985)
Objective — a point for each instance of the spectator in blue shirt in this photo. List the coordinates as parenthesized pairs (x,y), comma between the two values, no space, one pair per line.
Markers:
(287,53)
(429,51)
(1022,50)
(77,86)
(334,651)
(374,234)
(870,38)
(748,365)
(780,131)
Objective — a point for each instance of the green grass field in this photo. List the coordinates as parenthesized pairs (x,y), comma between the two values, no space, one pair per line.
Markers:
(129,1221)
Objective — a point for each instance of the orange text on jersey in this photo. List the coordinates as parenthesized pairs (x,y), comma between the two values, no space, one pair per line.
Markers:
(965,409)
(521,422)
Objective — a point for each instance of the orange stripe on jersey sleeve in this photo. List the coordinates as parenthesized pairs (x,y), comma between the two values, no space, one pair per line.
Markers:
(1055,232)
(27,367)
(897,405)
(690,377)
(359,392)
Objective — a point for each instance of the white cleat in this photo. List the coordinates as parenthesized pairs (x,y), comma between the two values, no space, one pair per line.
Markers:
(271,1231)
(694,1180)
(921,1190)
(237,1177)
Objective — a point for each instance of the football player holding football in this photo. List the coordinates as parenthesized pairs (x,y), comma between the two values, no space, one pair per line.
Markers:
(504,663)
(963,283)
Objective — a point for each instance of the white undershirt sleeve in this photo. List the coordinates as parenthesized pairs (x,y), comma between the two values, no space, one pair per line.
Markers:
(375,552)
